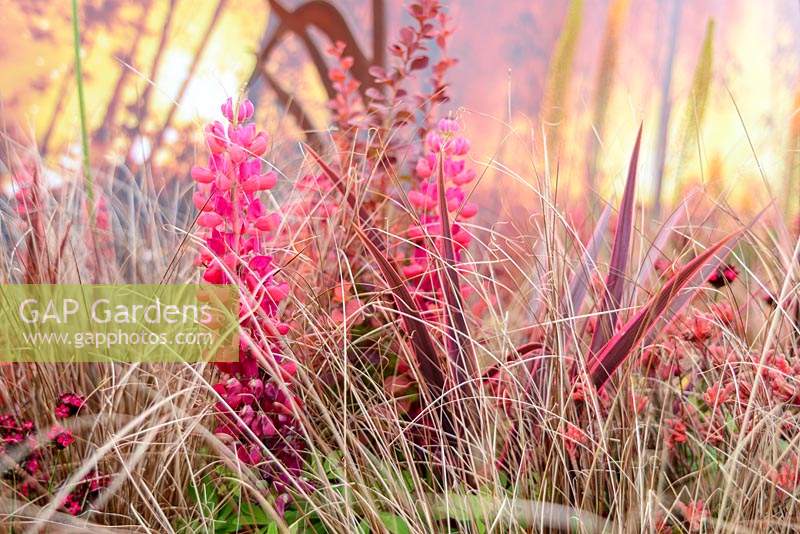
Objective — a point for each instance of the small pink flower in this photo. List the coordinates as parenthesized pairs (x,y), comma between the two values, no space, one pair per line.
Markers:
(61,437)
(694,513)
(675,433)
(267,223)
(724,275)
(573,438)
(68,405)
(202,175)
(209,220)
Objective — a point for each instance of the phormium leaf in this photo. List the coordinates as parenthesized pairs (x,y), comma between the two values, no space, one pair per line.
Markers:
(458,342)
(619,347)
(421,341)
(615,281)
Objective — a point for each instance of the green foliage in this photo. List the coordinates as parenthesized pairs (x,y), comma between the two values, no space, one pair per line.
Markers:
(87,172)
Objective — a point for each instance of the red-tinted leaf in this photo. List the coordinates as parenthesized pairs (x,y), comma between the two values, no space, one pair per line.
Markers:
(615,282)
(419,63)
(581,278)
(406,35)
(421,341)
(699,279)
(459,348)
(619,347)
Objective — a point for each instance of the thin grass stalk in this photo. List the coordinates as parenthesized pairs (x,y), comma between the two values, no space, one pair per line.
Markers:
(87,171)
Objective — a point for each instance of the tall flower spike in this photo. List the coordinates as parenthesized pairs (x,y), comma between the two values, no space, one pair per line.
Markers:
(442,144)
(237,230)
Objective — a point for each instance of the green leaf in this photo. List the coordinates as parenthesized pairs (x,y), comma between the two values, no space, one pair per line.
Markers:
(394,523)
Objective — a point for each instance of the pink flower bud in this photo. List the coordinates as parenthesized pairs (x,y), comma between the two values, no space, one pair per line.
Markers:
(267,223)
(259,144)
(288,368)
(453,168)
(417,199)
(464,177)
(447,126)
(267,181)
(461,237)
(209,219)
(469,210)
(223,182)
(237,153)
(201,202)
(227,109)
(460,146)
(245,110)
(415,232)
(278,293)
(245,134)
(424,168)
(202,175)
(433,141)
(215,138)
(252,184)
(413,270)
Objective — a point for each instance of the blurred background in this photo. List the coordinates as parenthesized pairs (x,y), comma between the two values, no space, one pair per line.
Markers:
(715,83)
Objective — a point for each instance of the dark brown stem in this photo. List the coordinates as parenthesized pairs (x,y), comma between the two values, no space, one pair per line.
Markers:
(379,32)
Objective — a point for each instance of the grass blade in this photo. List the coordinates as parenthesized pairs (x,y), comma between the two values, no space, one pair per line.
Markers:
(684,298)
(87,171)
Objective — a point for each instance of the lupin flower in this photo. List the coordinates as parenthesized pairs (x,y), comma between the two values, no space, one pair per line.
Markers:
(694,513)
(237,229)
(443,149)
(675,433)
